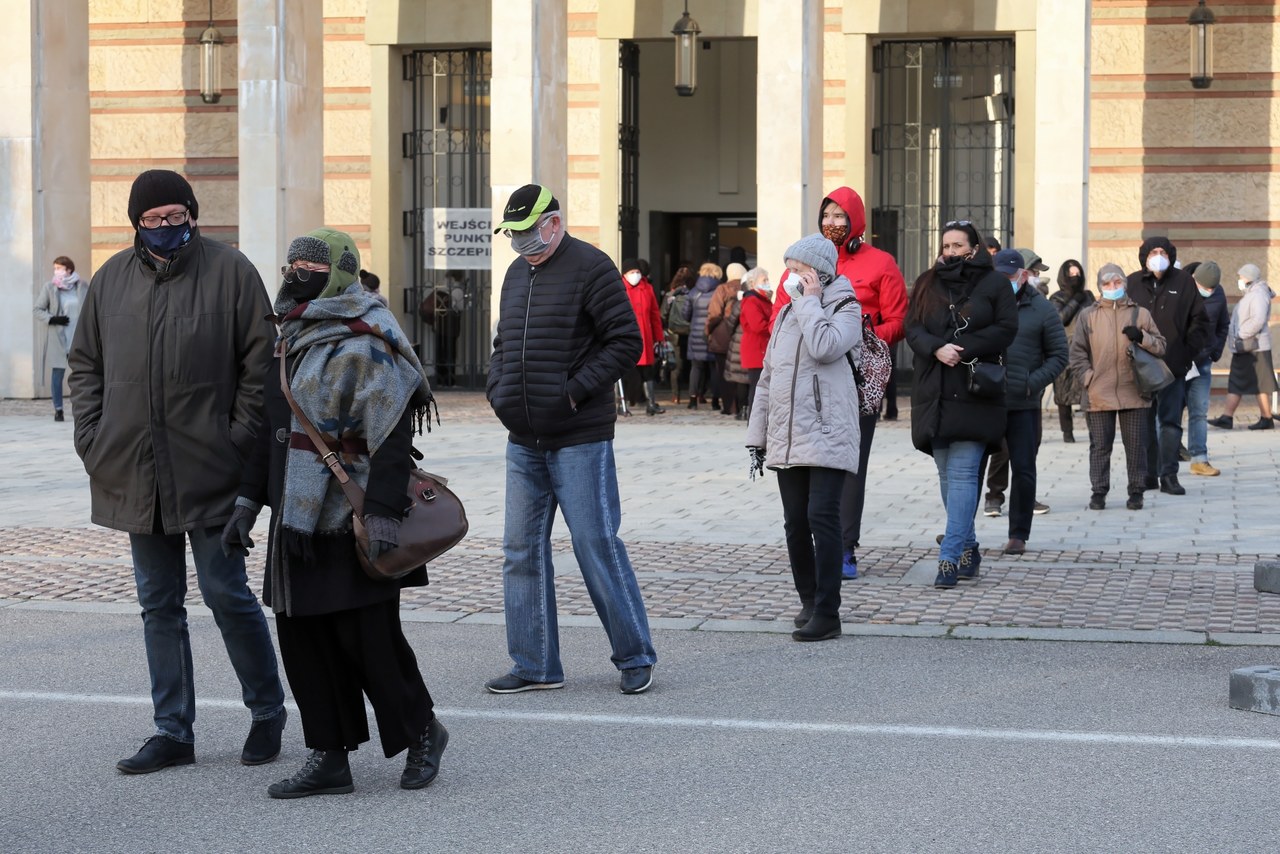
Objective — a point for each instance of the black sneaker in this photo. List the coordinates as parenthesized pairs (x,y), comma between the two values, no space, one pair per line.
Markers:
(158,751)
(805,615)
(1098,501)
(57,415)
(1134,502)
(1170,486)
(513,684)
(263,744)
(636,680)
(325,772)
(1226,422)
(423,762)
(946,575)
(970,560)
(820,628)
(1262,424)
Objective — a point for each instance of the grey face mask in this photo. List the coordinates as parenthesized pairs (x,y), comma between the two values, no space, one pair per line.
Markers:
(529,242)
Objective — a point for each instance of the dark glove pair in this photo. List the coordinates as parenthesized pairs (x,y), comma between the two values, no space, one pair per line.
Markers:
(59,320)
(757,461)
(1134,333)
(235,536)
(384,535)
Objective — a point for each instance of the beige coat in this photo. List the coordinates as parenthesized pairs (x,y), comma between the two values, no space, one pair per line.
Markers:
(1099,354)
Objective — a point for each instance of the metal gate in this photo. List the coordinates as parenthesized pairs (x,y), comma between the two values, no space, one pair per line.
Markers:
(449,149)
(943,143)
(629,149)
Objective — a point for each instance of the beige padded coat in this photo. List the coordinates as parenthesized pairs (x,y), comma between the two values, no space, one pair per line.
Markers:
(1099,354)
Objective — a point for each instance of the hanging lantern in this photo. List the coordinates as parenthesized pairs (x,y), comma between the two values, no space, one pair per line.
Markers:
(686,32)
(1201,22)
(211,62)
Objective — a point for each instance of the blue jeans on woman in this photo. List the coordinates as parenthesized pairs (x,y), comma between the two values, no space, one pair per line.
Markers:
(55,385)
(959,478)
(582,480)
(160,571)
(1198,412)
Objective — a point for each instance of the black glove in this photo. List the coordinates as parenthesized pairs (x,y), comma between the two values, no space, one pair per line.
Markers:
(235,536)
(757,461)
(59,320)
(384,535)
(1134,333)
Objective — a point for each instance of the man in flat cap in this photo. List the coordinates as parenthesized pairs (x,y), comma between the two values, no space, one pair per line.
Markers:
(167,367)
(566,333)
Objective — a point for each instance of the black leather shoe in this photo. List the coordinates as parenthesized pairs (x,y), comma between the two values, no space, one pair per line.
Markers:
(158,751)
(1134,502)
(1098,501)
(57,415)
(636,680)
(1262,424)
(263,744)
(1171,486)
(423,762)
(806,614)
(325,772)
(819,628)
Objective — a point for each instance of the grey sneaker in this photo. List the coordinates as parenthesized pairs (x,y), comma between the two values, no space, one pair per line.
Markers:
(992,507)
(1040,509)
(637,680)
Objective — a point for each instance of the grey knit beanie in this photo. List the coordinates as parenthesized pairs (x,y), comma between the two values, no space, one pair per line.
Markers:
(1208,275)
(816,251)
(1250,273)
(1109,271)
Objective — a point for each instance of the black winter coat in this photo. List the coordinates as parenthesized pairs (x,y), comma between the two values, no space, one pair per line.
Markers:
(1038,353)
(1215,308)
(1178,310)
(942,410)
(566,334)
(333,580)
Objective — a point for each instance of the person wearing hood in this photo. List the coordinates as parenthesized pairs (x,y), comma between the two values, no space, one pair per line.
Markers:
(644,302)
(58,307)
(1170,295)
(677,326)
(753,332)
(1249,340)
(804,425)
(355,375)
(1208,277)
(962,314)
(1099,356)
(722,317)
(701,361)
(167,367)
(882,293)
(1069,299)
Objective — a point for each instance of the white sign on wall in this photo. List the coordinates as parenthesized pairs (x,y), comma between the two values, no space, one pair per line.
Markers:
(457,238)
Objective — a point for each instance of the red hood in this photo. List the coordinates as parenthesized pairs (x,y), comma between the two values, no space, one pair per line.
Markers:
(851,203)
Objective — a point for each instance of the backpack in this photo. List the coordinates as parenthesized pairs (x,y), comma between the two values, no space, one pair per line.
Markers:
(872,377)
(675,318)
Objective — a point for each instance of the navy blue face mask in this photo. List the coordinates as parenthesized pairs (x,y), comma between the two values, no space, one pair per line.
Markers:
(166,239)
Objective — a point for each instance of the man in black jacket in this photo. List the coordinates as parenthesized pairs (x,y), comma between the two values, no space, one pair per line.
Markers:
(566,333)
(1171,297)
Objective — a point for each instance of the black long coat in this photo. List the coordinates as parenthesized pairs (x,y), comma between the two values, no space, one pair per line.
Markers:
(333,580)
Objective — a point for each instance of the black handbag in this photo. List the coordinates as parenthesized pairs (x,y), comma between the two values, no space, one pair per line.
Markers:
(987,379)
(1150,373)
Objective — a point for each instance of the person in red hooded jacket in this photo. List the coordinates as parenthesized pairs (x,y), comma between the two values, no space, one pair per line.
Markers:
(644,302)
(880,289)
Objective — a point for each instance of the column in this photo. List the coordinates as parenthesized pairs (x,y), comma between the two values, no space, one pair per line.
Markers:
(281,67)
(528,112)
(788,124)
(44,155)
(389,199)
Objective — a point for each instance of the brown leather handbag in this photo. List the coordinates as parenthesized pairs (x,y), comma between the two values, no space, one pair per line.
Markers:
(435,521)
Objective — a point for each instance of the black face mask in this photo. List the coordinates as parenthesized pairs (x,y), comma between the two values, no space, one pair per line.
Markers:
(304,291)
(1074,282)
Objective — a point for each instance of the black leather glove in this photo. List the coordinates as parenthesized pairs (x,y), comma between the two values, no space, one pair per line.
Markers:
(235,536)
(1134,333)
(757,461)
(384,534)
(59,320)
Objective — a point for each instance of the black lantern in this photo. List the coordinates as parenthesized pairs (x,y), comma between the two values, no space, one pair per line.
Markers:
(686,32)
(1201,22)
(211,62)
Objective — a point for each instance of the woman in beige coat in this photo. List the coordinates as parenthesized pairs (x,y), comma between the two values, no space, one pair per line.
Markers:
(1100,358)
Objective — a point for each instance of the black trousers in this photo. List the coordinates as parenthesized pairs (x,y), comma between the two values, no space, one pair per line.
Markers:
(1164,429)
(1022,438)
(334,661)
(853,495)
(811,518)
(997,467)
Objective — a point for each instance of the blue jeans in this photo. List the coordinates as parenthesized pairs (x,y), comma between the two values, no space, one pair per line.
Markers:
(582,481)
(160,571)
(1198,412)
(959,478)
(55,384)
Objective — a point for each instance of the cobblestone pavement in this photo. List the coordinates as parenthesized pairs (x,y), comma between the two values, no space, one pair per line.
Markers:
(707,543)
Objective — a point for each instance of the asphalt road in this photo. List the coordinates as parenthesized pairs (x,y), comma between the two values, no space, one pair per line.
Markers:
(748,742)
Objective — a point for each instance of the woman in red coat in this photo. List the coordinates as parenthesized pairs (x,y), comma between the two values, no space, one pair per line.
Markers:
(644,302)
(754,319)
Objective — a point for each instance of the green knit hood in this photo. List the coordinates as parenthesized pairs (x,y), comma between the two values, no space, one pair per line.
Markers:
(332,247)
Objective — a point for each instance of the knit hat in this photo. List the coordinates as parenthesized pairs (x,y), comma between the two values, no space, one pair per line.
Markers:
(816,251)
(1250,273)
(328,246)
(1208,275)
(630,264)
(734,272)
(156,188)
(1109,271)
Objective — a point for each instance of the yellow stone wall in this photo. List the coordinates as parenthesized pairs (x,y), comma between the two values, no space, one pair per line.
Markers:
(347,124)
(583,197)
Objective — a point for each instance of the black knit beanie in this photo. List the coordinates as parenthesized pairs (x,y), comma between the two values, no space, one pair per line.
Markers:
(156,188)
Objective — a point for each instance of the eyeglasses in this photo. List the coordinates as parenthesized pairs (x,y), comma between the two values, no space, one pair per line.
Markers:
(956,222)
(301,274)
(172,219)
(511,232)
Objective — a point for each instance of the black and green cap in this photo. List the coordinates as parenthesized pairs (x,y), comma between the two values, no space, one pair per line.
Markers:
(525,206)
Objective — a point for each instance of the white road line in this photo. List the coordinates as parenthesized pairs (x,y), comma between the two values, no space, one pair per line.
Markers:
(743,725)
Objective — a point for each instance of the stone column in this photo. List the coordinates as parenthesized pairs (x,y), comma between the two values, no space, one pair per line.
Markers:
(44,157)
(528,112)
(281,78)
(788,124)
(388,191)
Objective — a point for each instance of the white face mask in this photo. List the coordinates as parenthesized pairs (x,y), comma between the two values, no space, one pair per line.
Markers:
(794,286)
(740,293)
(1242,285)
(1157,263)
(633,277)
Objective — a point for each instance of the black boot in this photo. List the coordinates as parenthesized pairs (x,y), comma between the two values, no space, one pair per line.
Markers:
(57,415)
(650,391)
(819,628)
(1171,486)
(423,762)
(806,614)
(946,578)
(326,772)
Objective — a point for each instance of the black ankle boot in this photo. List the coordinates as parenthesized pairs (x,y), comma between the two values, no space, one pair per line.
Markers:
(819,628)
(1169,485)
(423,762)
(806,614)
(325,772)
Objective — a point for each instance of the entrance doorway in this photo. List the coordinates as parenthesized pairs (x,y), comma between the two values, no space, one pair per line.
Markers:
(695,238)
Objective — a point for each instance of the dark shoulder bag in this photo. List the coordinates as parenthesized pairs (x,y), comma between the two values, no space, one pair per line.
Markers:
(1149,372)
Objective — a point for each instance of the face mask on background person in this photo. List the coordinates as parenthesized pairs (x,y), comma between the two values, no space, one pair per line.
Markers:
(633,278)
(1157,263)
(1113,294)
(300,291)
(1203,292)
(837,234)
(165,240)
(1242,285)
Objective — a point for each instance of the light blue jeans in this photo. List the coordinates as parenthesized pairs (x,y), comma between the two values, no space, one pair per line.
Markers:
(55,385)
(1198,413)
(582,480)
(959,479)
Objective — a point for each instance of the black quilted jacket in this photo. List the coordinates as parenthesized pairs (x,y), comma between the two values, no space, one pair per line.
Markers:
(566,334)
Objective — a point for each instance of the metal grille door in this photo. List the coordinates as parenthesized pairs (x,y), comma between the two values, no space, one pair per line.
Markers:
(449,149)
(943,143)
(629,149)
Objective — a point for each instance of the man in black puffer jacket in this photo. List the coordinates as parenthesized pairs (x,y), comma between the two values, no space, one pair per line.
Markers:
(566,334)
(1171,297)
